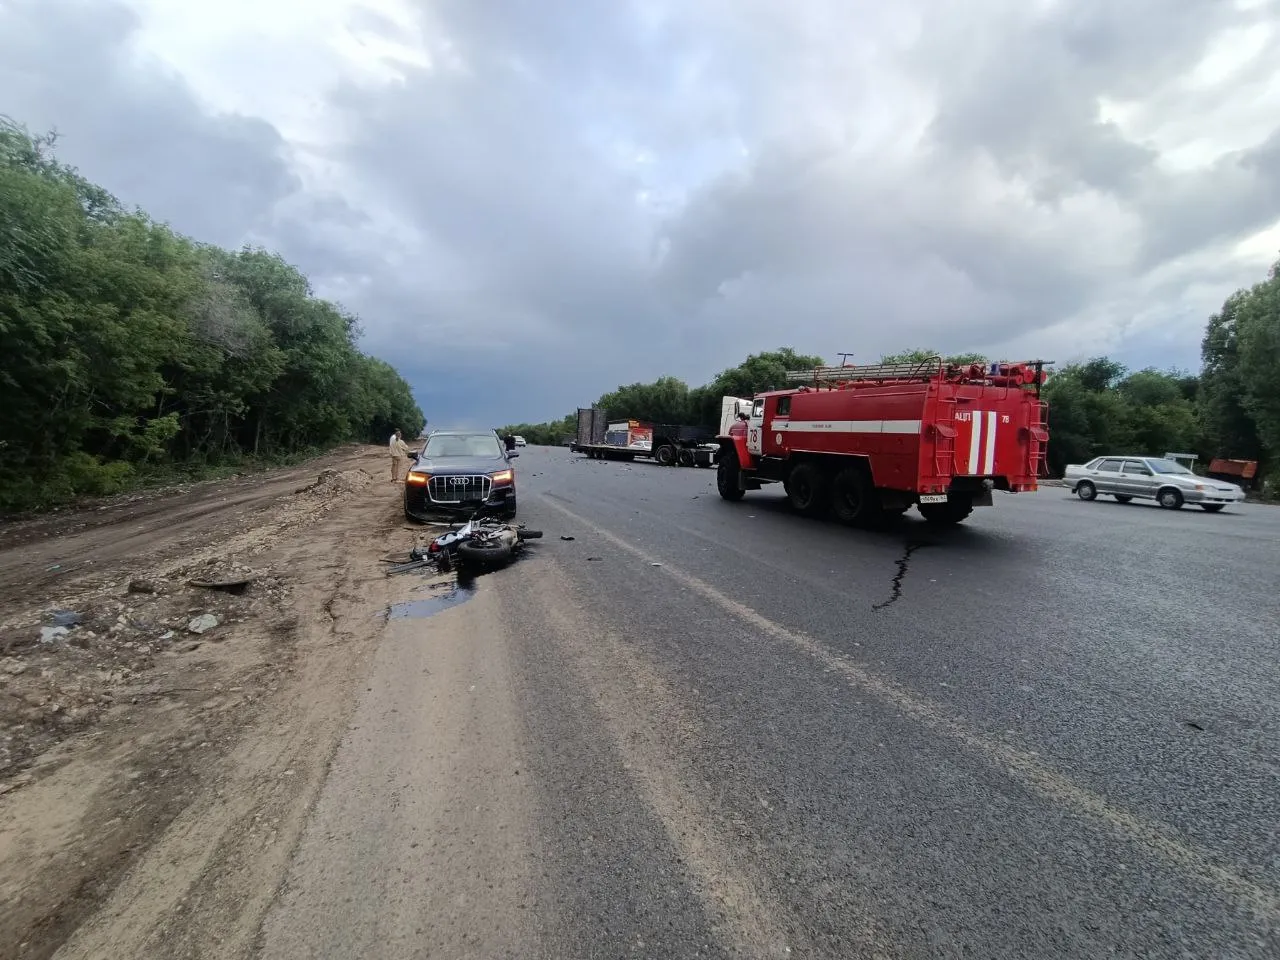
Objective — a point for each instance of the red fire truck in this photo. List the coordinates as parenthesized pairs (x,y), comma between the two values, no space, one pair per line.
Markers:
(870,441)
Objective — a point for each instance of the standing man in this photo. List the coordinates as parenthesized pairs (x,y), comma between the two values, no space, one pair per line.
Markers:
(399,451)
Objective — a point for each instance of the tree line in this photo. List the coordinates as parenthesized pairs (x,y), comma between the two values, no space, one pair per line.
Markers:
(131,352)
(1230,409)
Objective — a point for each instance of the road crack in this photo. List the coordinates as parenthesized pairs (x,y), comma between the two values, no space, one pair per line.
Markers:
(903,563)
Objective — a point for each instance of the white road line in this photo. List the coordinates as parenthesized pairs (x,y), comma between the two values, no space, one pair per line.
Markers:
(1025,767)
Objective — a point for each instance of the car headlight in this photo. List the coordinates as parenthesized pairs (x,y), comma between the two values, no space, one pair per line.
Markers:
(417,479)
(503,476)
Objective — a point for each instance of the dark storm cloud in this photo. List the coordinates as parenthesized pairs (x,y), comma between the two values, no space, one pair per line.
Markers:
(575,194)
(134,127)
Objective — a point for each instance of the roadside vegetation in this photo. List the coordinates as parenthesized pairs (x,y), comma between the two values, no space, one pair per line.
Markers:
(1231,408)
(133,354)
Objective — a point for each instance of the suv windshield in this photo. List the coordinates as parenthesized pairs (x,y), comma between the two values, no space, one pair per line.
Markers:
(462,445)
(1167,466)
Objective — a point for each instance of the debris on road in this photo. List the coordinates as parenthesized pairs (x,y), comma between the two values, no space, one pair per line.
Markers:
(141,586)
(333,482)
(567,538)
(231,585)
(203,623)
(50,634)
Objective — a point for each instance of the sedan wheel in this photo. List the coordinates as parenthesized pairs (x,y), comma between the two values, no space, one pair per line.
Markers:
(1086,490)
(1170,499)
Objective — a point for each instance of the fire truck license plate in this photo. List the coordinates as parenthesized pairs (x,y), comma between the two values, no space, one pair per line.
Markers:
(933,498)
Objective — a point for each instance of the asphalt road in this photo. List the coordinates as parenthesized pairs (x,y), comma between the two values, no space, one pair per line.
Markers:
(711,729)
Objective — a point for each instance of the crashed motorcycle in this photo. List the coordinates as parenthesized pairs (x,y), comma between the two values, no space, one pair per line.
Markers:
(482,543)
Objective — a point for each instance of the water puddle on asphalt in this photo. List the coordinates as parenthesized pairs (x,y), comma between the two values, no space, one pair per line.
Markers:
(449,594)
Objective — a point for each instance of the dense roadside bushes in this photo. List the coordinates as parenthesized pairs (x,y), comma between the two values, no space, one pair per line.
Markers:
(129,352)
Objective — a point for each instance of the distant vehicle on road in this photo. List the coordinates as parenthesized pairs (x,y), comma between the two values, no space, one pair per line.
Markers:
(669,444)
(521,441)
(459,472)
(1165,481)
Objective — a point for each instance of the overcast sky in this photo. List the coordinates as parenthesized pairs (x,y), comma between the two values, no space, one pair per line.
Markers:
(530,201)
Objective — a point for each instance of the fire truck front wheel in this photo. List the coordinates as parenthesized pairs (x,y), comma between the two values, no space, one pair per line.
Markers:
(727,477)
(807,488)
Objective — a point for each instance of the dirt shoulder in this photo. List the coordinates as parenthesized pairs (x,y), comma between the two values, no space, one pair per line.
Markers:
(156,735)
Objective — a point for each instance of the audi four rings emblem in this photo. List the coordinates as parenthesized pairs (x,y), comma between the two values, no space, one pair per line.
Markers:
(459,481)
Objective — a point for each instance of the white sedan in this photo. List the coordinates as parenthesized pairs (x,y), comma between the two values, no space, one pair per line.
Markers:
(1167,482)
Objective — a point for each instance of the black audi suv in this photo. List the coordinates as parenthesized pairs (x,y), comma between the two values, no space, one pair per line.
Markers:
(460,472)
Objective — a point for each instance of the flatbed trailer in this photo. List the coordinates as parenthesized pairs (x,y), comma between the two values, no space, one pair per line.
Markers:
(667,443)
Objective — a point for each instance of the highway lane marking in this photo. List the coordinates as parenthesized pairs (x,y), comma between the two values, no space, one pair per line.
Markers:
(1020,765)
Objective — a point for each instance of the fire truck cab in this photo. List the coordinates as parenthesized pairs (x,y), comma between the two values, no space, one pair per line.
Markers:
(869,441)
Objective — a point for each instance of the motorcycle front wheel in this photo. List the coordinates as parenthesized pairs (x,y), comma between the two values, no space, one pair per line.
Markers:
(484,553)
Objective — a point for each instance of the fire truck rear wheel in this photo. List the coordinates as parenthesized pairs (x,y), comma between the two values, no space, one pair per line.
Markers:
(727,477)
(945,514)
(850,497)
(807,488)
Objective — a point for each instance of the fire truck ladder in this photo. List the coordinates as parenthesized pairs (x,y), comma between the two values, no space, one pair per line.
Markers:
(1038,442)
(924,370)
(942,426)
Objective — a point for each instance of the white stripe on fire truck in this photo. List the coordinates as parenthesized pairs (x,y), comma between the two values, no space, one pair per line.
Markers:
(846,426)
(989,463)
(975,443)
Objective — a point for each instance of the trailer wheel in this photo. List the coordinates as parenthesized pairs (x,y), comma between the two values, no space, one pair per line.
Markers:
(727,477)
(665,455)
(851,497)
(947,514)
(807,488)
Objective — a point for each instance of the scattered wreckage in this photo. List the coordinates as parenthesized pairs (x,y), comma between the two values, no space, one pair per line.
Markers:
(483,543)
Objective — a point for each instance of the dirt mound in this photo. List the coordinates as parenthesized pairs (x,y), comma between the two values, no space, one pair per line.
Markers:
(336,482)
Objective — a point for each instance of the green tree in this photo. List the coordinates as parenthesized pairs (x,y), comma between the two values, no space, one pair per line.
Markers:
(666,400)
(131,351)
(919,356)
(1258,336)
